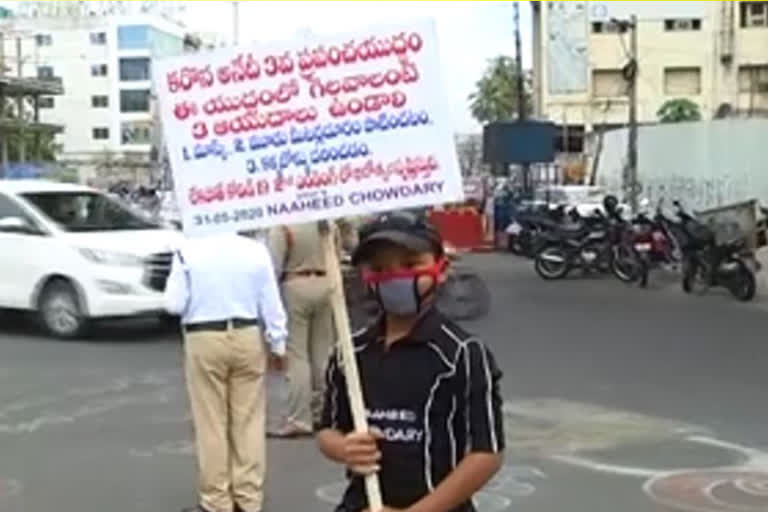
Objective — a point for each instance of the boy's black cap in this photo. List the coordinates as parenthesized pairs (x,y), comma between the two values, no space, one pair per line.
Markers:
(405,229)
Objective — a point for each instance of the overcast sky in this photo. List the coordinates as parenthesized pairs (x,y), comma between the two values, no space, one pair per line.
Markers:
(469,33)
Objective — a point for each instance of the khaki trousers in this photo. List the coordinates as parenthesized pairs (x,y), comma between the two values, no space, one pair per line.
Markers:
(311,337)
(225,373)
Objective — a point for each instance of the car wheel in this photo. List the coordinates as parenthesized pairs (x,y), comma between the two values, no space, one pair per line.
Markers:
(60,312)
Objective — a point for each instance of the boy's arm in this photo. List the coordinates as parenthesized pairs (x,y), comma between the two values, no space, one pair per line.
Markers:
(336,418)
(486,434)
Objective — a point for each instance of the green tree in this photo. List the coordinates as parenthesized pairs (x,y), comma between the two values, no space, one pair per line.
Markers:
(495,96)
(678,111)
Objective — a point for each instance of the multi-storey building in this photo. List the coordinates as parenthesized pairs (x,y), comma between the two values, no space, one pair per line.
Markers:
(103,58)
(712,53)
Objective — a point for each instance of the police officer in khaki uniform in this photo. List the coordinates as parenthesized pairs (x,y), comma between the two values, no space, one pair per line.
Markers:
(298,253)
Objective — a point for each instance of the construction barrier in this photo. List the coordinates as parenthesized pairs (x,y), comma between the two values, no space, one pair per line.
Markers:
(463,228)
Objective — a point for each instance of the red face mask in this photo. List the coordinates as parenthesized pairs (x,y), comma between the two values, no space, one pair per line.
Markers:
(398,291)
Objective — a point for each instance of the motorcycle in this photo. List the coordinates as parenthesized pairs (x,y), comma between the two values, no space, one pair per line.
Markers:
(589,245)
(708,263)
(524,233)
(654,241)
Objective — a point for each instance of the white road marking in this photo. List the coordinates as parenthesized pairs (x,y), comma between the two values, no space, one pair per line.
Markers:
(600,467)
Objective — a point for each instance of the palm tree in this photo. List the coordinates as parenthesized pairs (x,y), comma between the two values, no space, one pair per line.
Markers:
(678,111)
(495,97)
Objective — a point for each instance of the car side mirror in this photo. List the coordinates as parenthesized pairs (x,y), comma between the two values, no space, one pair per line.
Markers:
(17,225)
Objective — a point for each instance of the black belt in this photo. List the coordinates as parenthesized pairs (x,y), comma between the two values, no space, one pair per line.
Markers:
(222,325)
(302,273)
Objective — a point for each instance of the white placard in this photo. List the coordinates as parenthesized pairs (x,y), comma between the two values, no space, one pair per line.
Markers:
(315,128)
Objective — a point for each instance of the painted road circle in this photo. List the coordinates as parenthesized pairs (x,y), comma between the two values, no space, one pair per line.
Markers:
(711,490)
(9,488)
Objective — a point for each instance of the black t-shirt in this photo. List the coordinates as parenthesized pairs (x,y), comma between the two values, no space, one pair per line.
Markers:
(435,396)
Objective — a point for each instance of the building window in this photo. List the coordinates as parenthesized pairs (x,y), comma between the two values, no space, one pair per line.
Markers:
(44,39)
(136,132)
(608,83)
(134,68)
(99,70)
(608,27)
(682,81)
(99,38)
(45,72)
(99,101)
(754,14)
(45,102)
(134,100)
(133,37)
(100,133)
(165,44)
(753,78)
(681,25)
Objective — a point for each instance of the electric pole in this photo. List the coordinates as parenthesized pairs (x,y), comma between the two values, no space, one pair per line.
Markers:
(521,111)
(631,76)
(20,104)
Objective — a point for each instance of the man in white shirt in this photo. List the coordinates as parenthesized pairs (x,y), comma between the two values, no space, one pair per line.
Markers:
(225,290)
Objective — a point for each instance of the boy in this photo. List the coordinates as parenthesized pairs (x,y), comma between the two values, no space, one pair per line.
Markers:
(431,390)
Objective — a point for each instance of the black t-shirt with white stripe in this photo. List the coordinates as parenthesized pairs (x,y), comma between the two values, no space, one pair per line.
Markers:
(435,396)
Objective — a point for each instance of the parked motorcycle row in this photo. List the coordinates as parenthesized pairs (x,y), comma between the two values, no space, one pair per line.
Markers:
(561,241)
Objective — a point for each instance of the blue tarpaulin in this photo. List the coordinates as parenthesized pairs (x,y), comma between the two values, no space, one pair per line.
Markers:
(25,170)
(38,170)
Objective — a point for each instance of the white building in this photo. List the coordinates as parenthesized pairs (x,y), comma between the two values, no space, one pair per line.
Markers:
(103,58)
(712,53)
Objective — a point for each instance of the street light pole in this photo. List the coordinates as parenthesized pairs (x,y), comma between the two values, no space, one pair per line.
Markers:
(236,22)
(521,113)
(632,145)
(629,72)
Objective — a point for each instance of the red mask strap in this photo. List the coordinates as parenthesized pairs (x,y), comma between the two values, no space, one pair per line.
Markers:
(370,277)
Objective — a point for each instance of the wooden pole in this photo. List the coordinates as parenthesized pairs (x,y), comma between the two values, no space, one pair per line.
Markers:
(349,361)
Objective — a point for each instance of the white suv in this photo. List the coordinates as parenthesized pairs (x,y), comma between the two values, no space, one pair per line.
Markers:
(72,254)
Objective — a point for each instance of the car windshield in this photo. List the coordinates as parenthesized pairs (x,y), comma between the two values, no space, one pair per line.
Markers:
(87,211)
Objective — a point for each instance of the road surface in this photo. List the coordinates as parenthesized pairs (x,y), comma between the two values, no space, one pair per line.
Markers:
(616,399)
